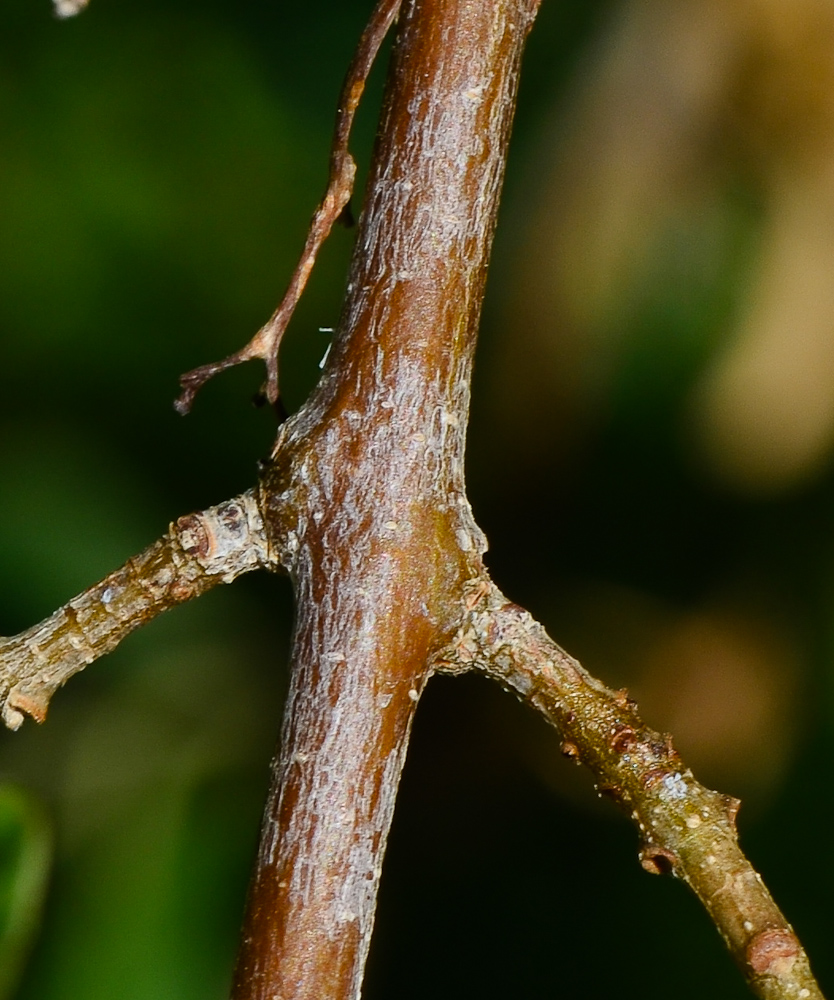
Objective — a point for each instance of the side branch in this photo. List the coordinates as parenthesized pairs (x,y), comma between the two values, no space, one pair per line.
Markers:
(687,829)
(197,552)
(266,342)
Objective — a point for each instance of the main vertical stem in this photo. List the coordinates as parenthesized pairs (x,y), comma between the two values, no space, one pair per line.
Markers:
(367,483)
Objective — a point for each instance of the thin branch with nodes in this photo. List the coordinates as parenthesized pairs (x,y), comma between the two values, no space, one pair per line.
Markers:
(198,552)
(363,504)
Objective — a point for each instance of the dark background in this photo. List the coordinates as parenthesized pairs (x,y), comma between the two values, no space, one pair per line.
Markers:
(159,163)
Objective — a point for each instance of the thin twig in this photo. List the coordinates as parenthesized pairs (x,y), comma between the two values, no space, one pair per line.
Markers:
(266,342)
(687,829)
(198,552)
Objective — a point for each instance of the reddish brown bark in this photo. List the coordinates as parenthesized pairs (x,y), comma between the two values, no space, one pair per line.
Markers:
(367,483)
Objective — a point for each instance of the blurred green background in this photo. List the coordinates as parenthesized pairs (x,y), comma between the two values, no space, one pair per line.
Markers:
(650,456)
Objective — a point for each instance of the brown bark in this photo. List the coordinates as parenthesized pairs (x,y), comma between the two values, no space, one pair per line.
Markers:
(382,538)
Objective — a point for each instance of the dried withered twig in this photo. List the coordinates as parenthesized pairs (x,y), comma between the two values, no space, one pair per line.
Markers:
(266,342)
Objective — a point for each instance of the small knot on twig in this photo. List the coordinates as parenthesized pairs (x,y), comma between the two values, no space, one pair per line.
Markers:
(18,704)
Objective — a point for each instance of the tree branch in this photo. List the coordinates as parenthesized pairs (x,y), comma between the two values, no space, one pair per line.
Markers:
(197,552)
(363,502)
(686,828)
(373,467)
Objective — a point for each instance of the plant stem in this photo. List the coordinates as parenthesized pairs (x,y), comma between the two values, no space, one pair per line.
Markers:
(687,829)
(373,467)
(198,552)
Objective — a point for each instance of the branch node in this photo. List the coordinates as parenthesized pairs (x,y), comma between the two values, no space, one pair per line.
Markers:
(731,808)
(193,535)
(623,740)
(614,792)
(622,698)
(18,705)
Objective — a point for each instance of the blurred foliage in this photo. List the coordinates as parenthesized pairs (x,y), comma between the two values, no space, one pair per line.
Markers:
(25,854)
(666,203)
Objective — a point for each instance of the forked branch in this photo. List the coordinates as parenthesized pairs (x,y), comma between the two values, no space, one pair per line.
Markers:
(363,502)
